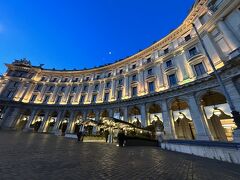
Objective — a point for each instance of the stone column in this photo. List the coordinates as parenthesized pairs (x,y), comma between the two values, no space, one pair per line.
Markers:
(113,91)
(159,75)
(10,116)
(78,93)
(55,91)
(110,112)
(31,119)
(44,122)
(126,86)
(42,93)
(58,120)
(28,93)
(71,123)
(141,82)
(143,115)
(101,90)
(67,93)
(202,132)
(233,42)
(97,113)
(125,114)
(167,122)
(89,94)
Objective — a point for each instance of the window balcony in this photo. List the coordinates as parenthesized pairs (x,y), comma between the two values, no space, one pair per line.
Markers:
(169,68)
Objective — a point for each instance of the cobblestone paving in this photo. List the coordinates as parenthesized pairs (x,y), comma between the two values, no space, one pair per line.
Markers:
(40,156)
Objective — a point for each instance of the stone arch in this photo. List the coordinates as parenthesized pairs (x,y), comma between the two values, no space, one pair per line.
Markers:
(38,120)
(118,114)
(218,115)
(154,113)
(64,122)
(182,120)
(51,121)
(135,116)
(91,115)
(23,119)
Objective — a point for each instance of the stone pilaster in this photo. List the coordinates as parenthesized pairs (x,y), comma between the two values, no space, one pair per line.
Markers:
(44,122)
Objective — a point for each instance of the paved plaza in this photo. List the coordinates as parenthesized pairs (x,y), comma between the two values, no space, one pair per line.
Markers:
(41,156)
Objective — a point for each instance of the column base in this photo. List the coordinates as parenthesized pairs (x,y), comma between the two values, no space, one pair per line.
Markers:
(236,136)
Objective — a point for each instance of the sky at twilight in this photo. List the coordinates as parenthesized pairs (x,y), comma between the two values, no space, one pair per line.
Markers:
(83,33)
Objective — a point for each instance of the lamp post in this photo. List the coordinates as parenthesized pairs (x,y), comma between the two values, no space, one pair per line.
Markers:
(236,115)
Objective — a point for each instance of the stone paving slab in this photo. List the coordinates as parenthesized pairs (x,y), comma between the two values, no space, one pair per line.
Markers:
(41,156)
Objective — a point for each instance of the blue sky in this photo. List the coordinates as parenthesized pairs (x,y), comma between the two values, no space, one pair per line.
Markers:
(83,33)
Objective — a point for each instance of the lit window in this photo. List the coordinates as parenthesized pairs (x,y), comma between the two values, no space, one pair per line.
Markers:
(199,69)
(172,79)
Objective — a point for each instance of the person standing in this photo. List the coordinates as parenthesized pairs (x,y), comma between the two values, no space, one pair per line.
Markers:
(106,133)
(121,138)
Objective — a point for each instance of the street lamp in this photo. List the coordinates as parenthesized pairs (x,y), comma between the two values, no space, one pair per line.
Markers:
(236,115)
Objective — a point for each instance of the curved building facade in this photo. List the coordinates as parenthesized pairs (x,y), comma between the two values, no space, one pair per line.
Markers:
(170,82)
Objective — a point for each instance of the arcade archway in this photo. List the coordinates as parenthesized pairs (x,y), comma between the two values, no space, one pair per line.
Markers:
(218,115)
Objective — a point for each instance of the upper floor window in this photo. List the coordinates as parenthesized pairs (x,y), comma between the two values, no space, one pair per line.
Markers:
(50,88)
(151,87)
(74,89)
(120,81)
(62,88)
(98,76)
(134,77)
(166,51)
(109,74)
(59,98)
(134,66)
(75,80)
(33,98)
(106,97)
(46,99)
(87,78)
(119,94)
(172,79)
(54,80)
(187,38)
(82,99)
(70,99)
(108,85)
(38,87)
(199,69)
(148,60)
(150,71)
(85,88)
(96,87)
(193,51)
(64,79)
(169,63)
(94,98)
(120,71)
(43,78)
(10,94)
(134,91)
